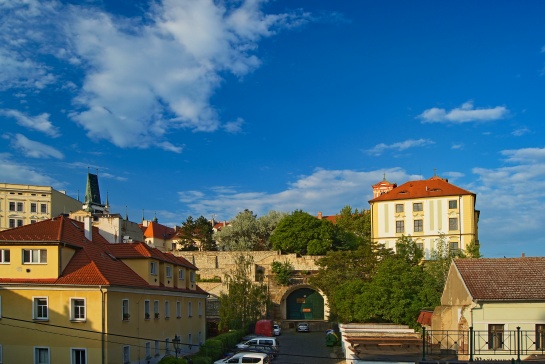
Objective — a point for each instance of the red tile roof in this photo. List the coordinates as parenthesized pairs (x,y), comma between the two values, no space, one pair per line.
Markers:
(503,278)
(433,187)
(95,262)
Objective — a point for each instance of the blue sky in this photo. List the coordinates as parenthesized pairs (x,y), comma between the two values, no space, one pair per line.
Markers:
(190,107)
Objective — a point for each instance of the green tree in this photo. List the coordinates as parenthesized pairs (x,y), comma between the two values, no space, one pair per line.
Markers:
(282,272)
(393,295)
(245,301)
(473,250)
(440,259)
(302,233)
(247,232)
(340,271)
(356,222)
(407,249)
(196,234)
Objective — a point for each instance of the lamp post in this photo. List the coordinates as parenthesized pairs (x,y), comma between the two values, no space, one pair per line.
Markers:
(176,343)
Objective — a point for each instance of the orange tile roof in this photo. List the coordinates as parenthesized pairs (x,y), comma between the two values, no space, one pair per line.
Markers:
(159,231)
(433,187)
(95,262)
(504,278)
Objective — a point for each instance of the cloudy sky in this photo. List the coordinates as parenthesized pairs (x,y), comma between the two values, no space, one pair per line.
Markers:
(201,107)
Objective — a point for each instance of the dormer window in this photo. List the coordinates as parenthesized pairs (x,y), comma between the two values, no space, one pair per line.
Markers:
(153,268)
(181,274)
(192,277)
(169,271)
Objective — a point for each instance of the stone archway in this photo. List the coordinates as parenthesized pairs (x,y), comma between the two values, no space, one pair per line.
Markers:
(303,302)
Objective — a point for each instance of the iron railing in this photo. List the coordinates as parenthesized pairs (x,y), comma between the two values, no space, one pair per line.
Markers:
(475,344)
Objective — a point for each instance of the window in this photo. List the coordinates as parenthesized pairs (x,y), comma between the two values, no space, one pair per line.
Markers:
(167,309)
(156,308)
(178,309)
(33,207)
(157,349)
(34,256)
(40,308)
(169,271)
(125,309)
(192,276)
(190,309)
(453,223)
(20,206)
(452,204)
(153,268)
(146,309)
(540,336)
(32,221)
(19,222)
(41,355)
(12,206)
(200,308)
(181,274)
(126,354)
(420,246)
(43,208)
(399,207)
(418,226)
(78,309)
(190,340)
(400,226)
(4,256)
(495,336)
(453,246)
(11,223)
(79,356)
(417,206)
(148,350)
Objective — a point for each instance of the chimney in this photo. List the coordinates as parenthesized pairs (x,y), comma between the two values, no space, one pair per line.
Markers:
(320,215)
(523,255)
(88,227)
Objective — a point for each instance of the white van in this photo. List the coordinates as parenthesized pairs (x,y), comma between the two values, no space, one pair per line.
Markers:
(256,358)
(260,340)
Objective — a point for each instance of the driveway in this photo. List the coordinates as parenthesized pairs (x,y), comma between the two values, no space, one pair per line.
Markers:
(306,348)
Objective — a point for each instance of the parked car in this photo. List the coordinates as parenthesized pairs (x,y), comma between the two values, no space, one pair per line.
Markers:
(270,341)
(271,351)
(245,357)
(303,327)
(277,330)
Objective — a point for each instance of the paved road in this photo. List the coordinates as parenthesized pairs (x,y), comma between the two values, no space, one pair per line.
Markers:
(305,348)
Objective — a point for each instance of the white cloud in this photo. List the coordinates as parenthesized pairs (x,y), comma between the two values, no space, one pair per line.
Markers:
(35,149)
(327,191)
(520,131)
(465,113)
(234,127)
(13,172)
(400,146)
(182,53)
(40,122)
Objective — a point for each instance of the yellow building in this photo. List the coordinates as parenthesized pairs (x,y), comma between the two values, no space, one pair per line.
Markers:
(424,210)
(502,301)
(68,296)
(25,204)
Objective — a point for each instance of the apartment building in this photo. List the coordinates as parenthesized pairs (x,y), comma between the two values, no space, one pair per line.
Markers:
(424,210)
(68,296)
(26,204)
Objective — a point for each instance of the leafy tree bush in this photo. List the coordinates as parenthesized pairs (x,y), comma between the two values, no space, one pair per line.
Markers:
(196,234)
(282,272)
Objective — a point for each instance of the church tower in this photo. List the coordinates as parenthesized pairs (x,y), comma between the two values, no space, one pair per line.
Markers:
(92,202)
(383,187)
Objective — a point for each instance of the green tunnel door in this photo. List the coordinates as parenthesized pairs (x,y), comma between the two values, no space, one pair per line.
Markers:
(305,304)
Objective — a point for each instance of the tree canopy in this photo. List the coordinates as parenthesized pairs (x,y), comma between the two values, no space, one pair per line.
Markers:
(196,234)
(247,232)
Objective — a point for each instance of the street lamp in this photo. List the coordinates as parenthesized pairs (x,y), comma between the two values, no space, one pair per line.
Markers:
(176,343)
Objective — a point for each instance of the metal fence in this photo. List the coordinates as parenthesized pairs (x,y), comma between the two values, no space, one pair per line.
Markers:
(475,344)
